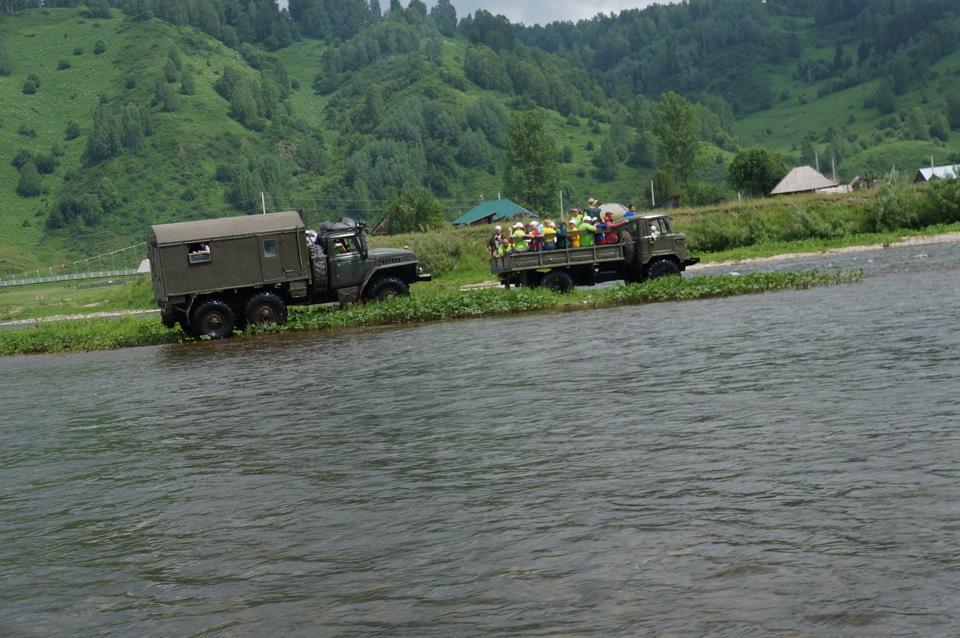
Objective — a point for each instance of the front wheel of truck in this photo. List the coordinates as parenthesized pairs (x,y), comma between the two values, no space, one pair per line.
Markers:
(264,309)
(214,319)
(662,268)
(387,288)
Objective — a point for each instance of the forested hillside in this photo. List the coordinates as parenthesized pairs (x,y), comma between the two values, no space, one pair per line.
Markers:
(118,114)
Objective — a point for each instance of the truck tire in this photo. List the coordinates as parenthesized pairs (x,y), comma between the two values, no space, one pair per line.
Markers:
(631,271)
(662,268)
(168,319)
(558,281)
(319,269)
(213,318)
(629,248)
(264,309)
(386,288)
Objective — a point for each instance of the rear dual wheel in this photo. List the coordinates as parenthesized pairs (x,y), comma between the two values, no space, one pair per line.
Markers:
(558,281)
(213,318)
(265,309)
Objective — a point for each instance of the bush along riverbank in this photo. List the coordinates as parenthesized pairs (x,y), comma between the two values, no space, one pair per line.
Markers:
(107,334)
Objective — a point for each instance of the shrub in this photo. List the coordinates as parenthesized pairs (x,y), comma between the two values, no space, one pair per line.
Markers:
(73,130)
(99,47)
(30,184)
(895,207)
(63,64)
(942,202)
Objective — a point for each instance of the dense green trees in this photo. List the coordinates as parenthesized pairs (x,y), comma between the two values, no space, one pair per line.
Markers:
(679,145)
(445,16)
(756,171)
(413,212)
(489,117)
(532,174)
(115,130)
(407,110)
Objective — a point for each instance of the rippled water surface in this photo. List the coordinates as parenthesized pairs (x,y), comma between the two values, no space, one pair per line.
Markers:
(780,464)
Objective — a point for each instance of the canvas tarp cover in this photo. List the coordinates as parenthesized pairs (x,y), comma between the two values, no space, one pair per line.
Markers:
(225,227)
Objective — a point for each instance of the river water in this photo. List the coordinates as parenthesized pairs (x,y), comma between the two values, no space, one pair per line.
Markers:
(778,464)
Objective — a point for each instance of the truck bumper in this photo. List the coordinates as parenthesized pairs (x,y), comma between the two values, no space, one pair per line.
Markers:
(691,261)
(424,276)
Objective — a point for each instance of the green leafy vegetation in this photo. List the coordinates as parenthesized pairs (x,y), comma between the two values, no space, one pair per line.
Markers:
(199,108)
(426,306)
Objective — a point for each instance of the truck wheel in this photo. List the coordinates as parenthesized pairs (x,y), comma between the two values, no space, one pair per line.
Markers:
(387,288)
(213,318)
(265,308)
(662,268)
(319,270)
(168,319)
(558,281)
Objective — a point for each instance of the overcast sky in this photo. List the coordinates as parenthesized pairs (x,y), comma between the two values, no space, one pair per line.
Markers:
(531,12)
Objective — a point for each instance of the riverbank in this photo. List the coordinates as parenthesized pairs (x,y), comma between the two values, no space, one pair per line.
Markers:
(421,307)
(920,240)
(77,332)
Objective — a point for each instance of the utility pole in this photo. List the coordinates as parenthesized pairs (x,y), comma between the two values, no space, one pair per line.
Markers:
(263,203)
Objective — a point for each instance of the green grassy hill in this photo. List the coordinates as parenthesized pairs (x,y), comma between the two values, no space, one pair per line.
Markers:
(133,121)
(171,177)
(876,142)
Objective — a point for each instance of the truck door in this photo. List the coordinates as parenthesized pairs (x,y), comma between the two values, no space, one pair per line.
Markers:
(347,263)
(279,257)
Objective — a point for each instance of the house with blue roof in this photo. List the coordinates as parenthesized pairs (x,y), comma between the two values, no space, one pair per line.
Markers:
(492,211)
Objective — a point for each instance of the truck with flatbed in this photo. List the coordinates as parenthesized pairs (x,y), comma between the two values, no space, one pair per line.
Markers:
(647,247)
(213,276)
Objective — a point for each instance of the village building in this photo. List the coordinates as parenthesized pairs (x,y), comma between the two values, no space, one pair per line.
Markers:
(939,172)
(492,211)
(804,179)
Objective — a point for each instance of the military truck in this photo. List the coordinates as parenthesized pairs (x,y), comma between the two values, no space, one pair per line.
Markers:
(647,247)
(214,276)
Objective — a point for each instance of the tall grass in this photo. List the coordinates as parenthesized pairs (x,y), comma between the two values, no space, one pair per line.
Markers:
(825,219)
(457,256)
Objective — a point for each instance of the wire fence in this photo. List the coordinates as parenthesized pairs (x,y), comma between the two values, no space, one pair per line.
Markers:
(118,263)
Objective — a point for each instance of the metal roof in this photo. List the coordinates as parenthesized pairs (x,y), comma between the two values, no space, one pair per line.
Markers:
(802,179)
(495,209)
(224,227)
(943,172)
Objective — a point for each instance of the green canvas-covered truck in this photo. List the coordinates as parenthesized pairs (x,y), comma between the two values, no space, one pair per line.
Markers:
(648,247)
(213,276)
